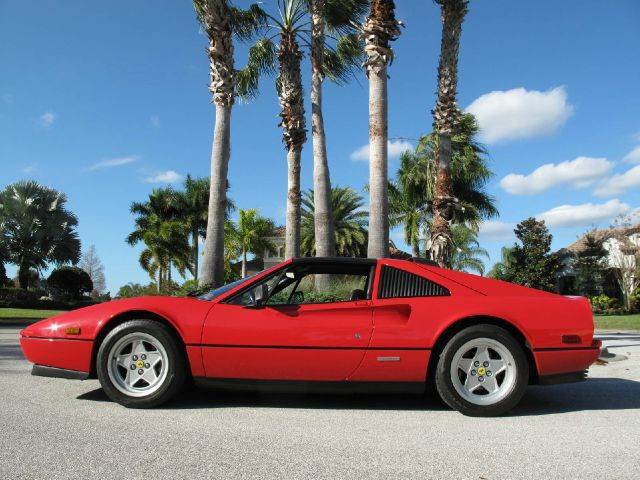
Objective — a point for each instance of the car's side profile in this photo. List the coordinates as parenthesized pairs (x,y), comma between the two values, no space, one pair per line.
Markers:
(350,324)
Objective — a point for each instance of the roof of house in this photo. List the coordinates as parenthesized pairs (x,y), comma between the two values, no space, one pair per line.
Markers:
(601,235)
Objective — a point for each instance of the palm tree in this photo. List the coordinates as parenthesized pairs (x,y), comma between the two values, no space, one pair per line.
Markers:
(193,207)
(291,27)
(446,116)
(378,30)
(252,233)
(341,16)
(507,260)
(349,223)
(467,253)
(221,21)
(36,228)
(159,226)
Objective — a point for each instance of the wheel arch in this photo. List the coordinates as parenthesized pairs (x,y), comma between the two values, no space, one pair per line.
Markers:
(122,317)
(463,323)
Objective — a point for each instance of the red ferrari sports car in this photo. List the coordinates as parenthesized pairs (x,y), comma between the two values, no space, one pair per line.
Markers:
(346,323)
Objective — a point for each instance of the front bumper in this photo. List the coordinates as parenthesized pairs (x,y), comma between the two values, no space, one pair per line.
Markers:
(53,372)
(59,353)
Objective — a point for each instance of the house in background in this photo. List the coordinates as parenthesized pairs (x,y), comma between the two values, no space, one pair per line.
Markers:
(623,247)
(268,259)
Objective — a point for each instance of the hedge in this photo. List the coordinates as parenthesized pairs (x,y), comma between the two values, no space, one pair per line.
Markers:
(19,298)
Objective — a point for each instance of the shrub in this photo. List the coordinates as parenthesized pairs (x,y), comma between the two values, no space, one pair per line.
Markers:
(69,283)
(604,304)
(4,280)
(136,290)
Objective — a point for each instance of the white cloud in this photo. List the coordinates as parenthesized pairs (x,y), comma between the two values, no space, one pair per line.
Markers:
(579,173)
(29,169)
(47,119)
(155,120)
(395,148)
(633,156)
(496,230)
(520,113)
(112,162)
(164,177)
(619,183)
(584,214)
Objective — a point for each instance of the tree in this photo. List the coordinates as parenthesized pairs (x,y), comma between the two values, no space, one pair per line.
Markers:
(467,252)
(341,15)
(36,228)
(623,259)
(136,290)
(411,194)
(159,227)
(500,269)
(220,21)
(446,116)
(380,28)
(590,266)
(349,223)
(252,234)
(4,280)
(90,263)
(533,265)
(70,282)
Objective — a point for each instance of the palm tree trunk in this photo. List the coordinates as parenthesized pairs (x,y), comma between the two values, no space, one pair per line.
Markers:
(195,237)
(169,274)
(294,134)
(378,181)
(379,29)
(323,217)
(216,20)
(446,116)
(244,263)
(292,230)
(213,261)
(23,276)
(415,250)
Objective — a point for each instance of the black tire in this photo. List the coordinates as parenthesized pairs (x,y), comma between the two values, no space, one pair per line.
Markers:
(444,383)
(176,373)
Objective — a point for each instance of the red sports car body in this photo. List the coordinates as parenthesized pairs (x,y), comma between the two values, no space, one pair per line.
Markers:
(393,332)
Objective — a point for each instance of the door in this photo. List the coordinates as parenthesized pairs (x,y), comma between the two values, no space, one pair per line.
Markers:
(290,327)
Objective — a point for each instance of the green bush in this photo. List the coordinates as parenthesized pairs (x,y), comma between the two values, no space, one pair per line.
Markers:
(69,283)
(604,304)
(19,298)
(137,290)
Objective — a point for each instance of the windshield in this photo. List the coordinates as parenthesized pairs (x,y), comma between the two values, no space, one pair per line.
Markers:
(210,295)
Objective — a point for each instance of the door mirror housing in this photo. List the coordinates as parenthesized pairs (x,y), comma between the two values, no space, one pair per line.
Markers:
(261,296)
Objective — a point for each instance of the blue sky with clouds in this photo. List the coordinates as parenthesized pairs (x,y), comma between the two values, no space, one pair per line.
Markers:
(107,100)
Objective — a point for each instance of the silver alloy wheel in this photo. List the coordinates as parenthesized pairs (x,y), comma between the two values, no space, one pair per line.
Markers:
(137,364)
(483,371)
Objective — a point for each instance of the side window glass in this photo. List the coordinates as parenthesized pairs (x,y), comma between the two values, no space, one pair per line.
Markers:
(396,283)
(255,293)
(322,288)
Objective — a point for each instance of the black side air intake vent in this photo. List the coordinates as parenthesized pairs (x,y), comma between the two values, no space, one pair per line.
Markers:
(398,283)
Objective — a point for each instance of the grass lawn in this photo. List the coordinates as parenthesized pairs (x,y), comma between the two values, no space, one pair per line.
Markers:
(22,313)
(621,322)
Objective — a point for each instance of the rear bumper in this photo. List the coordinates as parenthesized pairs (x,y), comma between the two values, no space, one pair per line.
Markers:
(566,361)
(53,372)
(571,377)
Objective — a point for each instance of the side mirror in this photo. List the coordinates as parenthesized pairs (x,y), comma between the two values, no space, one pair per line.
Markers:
(262,294)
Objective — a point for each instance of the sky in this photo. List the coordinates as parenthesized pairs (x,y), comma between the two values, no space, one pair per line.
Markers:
(105,101)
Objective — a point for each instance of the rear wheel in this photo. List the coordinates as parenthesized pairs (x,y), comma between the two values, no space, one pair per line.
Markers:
(482,371)
(140,364)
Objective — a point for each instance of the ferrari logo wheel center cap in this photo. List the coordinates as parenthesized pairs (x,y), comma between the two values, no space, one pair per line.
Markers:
(139,364)
(481,371)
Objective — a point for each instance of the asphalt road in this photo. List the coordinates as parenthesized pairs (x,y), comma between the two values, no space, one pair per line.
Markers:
(59,429)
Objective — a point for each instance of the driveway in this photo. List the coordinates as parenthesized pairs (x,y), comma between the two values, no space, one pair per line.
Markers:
(58,429)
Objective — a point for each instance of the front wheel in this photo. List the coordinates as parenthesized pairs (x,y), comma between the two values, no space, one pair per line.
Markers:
(482,371)
(140,364)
